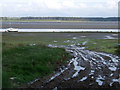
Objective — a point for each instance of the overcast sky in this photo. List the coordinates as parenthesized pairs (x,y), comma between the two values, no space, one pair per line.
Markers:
(76,8)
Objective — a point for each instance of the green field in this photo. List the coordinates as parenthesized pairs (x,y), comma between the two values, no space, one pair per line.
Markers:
(26,63)
(27,57)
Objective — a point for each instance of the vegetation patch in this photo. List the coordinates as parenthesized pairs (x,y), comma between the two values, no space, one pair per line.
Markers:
(102,45)
(24,63)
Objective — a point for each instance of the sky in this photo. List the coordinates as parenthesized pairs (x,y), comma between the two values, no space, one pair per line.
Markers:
(59,8)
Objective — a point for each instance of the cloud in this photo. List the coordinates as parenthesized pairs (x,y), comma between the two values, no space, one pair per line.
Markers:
(68,4)
(112,4)
(53,4)
(59,7)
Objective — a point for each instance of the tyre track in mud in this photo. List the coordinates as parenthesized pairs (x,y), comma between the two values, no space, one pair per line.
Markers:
(87,69)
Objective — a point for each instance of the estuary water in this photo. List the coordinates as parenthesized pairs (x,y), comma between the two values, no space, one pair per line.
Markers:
(64,30)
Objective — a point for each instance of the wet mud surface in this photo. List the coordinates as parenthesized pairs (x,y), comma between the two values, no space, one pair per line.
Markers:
(66,35)
(86,69)
(63,25)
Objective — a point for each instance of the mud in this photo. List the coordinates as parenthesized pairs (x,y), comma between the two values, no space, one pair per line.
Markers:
(87,69)
(66,35)
(62,25)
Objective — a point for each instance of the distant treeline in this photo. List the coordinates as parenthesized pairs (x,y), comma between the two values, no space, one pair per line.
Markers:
(64,18)
(73,18)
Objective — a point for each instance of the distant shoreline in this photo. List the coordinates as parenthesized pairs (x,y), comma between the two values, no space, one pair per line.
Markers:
(61,25)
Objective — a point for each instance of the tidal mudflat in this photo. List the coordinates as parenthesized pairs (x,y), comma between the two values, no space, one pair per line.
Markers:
(62,25)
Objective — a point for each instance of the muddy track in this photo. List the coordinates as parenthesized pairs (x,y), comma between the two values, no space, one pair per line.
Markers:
(87,69)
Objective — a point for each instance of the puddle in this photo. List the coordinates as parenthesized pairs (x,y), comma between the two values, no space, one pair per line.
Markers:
(114,34)
(83,36)
(32,44)
(76,67)
(109,37)
(84,43)
(112,68)
(67,41)
(94,43)
(84,78)
(55,41)
(74,38)
(99,82)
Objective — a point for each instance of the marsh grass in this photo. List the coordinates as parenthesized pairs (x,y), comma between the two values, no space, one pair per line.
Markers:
(102,45)
(24,63)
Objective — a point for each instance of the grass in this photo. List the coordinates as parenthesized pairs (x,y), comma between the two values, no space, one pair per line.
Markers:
(5,80)
(22,64)
(102,45)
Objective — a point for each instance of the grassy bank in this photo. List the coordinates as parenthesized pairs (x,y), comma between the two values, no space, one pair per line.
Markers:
(24,63)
